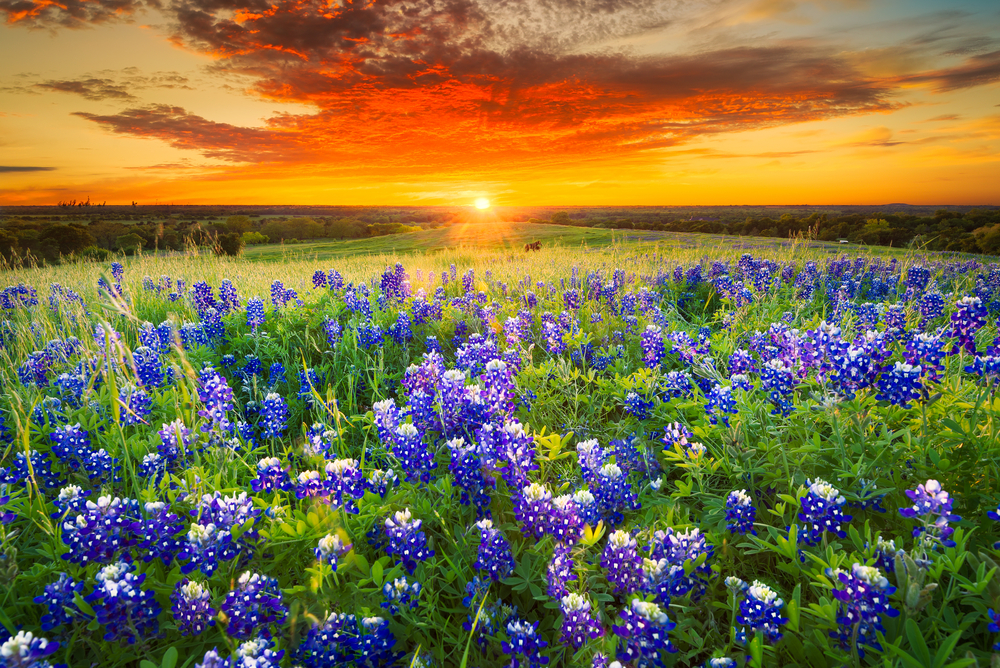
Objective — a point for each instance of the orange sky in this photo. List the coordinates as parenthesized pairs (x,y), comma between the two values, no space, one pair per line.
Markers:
(563,102)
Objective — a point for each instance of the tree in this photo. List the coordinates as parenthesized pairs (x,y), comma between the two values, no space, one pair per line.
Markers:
(130,243)
(228,244)
(239,224)
(66,239)
(253,238)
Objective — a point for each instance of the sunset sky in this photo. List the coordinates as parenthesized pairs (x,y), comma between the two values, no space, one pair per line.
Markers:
(561,102)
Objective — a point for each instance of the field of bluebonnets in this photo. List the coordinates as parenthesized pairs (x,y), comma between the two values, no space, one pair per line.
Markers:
(629,456)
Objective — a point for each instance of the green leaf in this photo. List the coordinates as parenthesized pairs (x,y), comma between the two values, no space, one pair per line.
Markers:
(83,605)
(147,664)
(946,648)
(377,573)
(917,643)
(757,651)
(169,658)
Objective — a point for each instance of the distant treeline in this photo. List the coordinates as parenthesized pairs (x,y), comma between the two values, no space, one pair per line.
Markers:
(55,240)
(972,231)
(43,234)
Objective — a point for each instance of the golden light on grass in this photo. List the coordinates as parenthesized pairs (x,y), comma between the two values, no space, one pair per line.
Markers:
(482,203)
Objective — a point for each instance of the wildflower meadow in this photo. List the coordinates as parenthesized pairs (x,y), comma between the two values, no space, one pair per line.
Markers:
(630,456)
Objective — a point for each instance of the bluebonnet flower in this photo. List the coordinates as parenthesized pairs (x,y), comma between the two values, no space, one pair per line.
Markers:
(586,507)
(494,556)
(613,492)
(591,457)
(400,594)
(158,533)
(637,406)
(120,604)
(309,382)
(778,380)
(760,610)
(176,440)
(885,554)
(59,601)
(271,476)
(148,367)
(24,650)
(254,606)
(379,482)
(101,467)
(258,654)
(39,473)
(466,468)
(134,405)
(309,485)
(560,571)
(721,404)
(524,641)
(274,416)
(863,600)
(255,313)
(192,609)
(406,541)
(926,352)
(344,484)
(70,444)
(276,374)
(35,370)
(652,346)
(319,440)
(822,511)
(665,574)
(740,513)
(900,384)
(192,335)
(643,633)
(852,369)
(580,621)
(101,530)
(968,318)
(370,336)
(675,433)
(215,393)
(720,662)
(334,332)
(345,640)
(933,506)
(319,279)
(533,509)
(330,549)
(230,299)
(72,387)
(210,540)
(416,459)
(621,561)
(566,519)
(994,626)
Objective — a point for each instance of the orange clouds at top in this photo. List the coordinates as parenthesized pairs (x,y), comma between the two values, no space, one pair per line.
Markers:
(500,92)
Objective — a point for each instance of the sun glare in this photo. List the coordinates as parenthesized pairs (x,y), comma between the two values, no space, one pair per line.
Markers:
(482,203)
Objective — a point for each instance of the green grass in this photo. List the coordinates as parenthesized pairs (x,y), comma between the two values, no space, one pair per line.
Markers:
(513,236)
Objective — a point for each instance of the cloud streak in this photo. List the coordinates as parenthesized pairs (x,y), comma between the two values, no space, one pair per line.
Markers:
(12,169)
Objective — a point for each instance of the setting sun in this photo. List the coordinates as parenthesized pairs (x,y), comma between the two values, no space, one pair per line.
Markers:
(482,203)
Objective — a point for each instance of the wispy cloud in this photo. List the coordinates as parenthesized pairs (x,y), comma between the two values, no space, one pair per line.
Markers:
(6,169)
